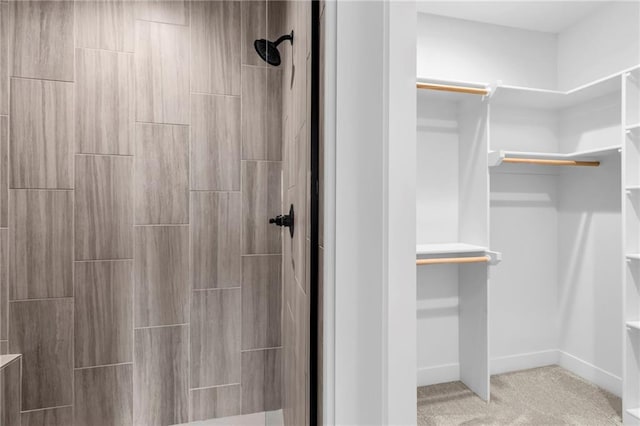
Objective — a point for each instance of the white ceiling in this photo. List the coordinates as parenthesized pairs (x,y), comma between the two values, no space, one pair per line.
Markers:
(547,16)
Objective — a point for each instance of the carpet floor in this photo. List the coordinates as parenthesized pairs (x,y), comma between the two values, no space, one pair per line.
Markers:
(540,396)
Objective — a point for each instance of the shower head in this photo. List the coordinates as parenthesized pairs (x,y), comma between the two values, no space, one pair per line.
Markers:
(268,50)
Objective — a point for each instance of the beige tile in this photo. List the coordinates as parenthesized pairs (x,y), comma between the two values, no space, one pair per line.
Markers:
(4,284)
(105,24)
(40,244)
(104,396)
(160,376)
(161,275)
(261,301)
(215,47)
(277,22)
(260,202)
(42,331)
(42,39)
(4,58)
(261,380)
(103,312)
(10,394)
(216,402)
(41,134)
(215,337)
(104,102)
(50,417)
(261,113)
(215,239)
(104,207)
(254,27)
(168,11)
(162,174)
(215,143)
(162,73)
(4,175)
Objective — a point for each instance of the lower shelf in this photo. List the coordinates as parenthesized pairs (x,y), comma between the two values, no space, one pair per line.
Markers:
(634,412)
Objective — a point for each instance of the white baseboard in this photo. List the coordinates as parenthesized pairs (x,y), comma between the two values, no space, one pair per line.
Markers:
(599,377)
(591,373)
(507,364)
(438,374)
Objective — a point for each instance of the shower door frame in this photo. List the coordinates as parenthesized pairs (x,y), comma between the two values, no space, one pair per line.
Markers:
(314,346)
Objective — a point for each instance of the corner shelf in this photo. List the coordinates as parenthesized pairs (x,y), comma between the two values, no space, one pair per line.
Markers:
(633,256)
(496,158)
(555,99)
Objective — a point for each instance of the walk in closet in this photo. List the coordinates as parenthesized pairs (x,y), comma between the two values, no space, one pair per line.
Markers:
(528,197)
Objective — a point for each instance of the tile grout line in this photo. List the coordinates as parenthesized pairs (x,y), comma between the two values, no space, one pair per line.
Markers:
(103,366)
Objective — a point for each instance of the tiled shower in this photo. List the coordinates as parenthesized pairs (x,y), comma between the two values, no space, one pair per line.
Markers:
(141,155)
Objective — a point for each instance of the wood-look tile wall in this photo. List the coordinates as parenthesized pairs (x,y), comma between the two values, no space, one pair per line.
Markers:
(140,161)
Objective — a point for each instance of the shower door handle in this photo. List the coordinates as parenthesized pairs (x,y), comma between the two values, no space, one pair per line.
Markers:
(286,220)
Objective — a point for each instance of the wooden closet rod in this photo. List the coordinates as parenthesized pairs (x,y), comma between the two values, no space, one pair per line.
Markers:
(448,88)
(445,260)
(551,162)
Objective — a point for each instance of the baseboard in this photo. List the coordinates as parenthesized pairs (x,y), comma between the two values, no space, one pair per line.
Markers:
(599,377)
(507,364)
(591,373)
(438,374)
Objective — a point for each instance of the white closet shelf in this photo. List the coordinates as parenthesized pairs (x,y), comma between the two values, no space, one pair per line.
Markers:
(634,412)
(555,99)
(451,90)
(633,127)
(456,250)
(496,158)
(448,248)
(633,256)
(634,324)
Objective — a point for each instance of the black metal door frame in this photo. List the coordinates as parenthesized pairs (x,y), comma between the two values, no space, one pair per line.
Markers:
(314,207)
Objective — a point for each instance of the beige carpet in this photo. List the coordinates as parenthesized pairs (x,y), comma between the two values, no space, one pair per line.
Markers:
(541,396)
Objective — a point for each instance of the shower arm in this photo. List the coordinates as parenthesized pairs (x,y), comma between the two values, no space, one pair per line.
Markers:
(283,38)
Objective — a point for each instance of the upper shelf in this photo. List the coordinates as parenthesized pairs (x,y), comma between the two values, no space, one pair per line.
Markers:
(426,250)
(588,158)
(451,90)
(555,99)
(528,96)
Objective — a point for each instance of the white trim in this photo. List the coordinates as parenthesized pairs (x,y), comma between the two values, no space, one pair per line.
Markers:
(591,373)
(329,213)
(439,374)
(524,361)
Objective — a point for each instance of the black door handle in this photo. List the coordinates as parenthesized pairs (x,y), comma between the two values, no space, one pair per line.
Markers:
(286,220)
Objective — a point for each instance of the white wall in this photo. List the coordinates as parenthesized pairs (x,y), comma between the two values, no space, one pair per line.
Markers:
(590,253)
(455,49)
(437,171)
(604,43)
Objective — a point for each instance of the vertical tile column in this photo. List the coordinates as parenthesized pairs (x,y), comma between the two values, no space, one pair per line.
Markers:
(36,91)
(103,215)
(161,190)
(215,183)
(261,98)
